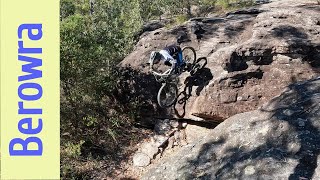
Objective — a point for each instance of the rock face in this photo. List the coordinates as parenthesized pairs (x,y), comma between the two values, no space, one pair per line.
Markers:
(252,55)
(168,133)
(141,160)
(281,140)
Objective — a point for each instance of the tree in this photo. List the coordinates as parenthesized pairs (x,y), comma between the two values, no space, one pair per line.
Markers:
(67,8)
(91,45)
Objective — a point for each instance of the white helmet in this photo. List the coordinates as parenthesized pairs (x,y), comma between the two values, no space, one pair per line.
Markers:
(155,58)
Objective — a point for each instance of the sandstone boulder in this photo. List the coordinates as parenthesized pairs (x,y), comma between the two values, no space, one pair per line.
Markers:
(281,140)
(252,55)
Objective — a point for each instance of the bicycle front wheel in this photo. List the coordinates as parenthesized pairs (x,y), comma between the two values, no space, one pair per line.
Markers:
(167,95)
(199,64)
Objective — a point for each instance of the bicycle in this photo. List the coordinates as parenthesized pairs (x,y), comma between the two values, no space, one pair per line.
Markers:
(167,94)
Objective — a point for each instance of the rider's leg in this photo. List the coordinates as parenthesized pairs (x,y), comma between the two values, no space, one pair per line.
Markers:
(181,61)
(185,65)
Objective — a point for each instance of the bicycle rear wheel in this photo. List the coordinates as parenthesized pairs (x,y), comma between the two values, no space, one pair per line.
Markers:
(189,55)
(167,95)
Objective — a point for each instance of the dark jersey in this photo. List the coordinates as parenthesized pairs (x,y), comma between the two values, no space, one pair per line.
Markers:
(172,49)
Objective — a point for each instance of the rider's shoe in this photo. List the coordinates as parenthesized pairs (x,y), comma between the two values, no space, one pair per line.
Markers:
(177,70)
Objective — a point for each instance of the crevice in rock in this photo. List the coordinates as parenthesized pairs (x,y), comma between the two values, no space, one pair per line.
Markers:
(287,31)
(262,60)
(207,20)
(181,33)
(237,63)
(252,11)
(238,80)
(308,53)
(241,61)
(313,57)
(210,121)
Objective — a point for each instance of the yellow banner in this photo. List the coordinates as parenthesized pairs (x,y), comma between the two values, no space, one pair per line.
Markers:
(30,132)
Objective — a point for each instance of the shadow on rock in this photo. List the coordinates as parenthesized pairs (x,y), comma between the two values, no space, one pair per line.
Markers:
(290,143)
(202,162)
(299,44)
(199,80)
(299,106)
(313,7)
(233,30)
(285,31)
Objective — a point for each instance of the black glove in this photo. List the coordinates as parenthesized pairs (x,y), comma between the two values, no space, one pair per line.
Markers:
(167,63)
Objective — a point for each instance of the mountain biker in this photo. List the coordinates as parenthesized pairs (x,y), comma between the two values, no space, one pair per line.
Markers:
(171,55)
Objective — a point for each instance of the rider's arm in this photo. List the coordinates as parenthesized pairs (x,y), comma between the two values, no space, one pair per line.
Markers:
(169,60)
(173,65)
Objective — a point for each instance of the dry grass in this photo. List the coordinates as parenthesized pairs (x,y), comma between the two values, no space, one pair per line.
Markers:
(113,165)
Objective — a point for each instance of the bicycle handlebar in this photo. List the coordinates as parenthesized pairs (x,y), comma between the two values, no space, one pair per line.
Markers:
(166,73)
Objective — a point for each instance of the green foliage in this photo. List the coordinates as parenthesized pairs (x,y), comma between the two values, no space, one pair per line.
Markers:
(181,19)
(70,151)
(208,2)
(91,45)
(67,8)
(181,7)
(233,4)
(70,172)
(151,9)
(73,150)
(223,3)
(206,6)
